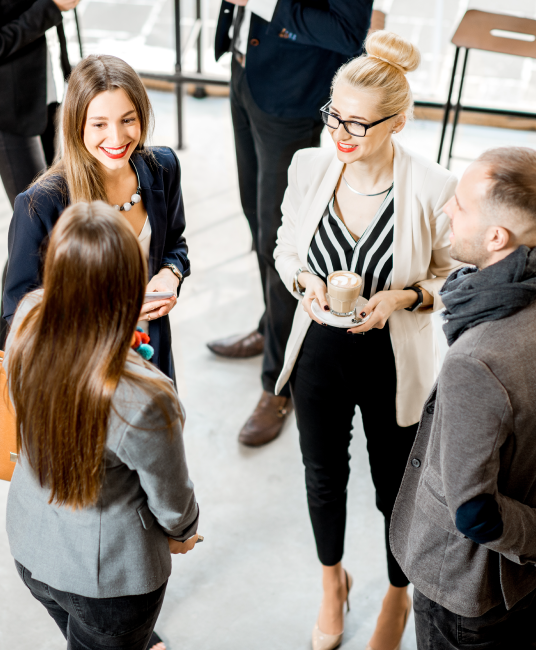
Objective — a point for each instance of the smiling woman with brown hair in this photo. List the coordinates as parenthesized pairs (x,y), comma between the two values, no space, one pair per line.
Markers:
(106,120)
(100,495)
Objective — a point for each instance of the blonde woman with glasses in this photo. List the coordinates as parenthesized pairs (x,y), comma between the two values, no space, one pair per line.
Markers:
(375,208)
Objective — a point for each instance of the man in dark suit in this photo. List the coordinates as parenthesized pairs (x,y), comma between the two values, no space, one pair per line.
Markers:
(285,53)
(26,121)
(28,102)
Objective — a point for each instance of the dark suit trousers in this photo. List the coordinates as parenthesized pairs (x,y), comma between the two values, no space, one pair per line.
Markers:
(498,629)
(21,160)
(265,145)
(334,373)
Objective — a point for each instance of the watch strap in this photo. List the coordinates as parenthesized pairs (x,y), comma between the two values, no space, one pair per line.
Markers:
(297,285)
(420,298)
(174,270)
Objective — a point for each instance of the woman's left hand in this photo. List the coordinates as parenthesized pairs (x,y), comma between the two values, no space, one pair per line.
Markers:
(164,280)
(381,306)
(176,547)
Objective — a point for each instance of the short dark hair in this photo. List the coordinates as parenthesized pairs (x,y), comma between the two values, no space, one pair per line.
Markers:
(512,171)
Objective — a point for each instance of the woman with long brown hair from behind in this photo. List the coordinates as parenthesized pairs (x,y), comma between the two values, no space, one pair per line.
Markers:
(101,494)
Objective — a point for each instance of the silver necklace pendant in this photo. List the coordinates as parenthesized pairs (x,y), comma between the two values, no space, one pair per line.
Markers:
(361,193)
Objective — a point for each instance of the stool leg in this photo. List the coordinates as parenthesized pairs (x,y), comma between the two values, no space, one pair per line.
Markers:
(458,107)
(448,106)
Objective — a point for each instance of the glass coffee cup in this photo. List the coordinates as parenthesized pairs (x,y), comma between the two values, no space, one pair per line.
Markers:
(344,289)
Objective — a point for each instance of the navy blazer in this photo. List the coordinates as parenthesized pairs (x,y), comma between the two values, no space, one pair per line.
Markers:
(37,210)
(291,61)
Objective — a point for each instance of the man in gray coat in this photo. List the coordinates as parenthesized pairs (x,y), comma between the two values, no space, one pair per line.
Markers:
(464,524)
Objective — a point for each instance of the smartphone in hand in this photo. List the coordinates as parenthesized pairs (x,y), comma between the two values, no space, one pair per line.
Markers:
(152,296)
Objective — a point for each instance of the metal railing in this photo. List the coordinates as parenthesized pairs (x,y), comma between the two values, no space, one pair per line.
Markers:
(179,78)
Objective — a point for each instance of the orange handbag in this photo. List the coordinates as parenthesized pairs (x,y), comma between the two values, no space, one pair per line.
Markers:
(8,434)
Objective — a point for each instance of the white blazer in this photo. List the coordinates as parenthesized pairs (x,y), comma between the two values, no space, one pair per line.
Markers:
(420,255)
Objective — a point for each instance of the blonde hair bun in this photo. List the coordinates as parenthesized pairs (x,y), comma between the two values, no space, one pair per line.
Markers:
(394,50)
(378,71)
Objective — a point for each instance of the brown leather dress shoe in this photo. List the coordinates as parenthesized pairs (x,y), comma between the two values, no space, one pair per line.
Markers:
(238,347)
(266,421)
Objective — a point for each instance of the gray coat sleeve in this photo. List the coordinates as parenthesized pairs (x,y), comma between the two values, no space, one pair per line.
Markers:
(158,457)
(476,420)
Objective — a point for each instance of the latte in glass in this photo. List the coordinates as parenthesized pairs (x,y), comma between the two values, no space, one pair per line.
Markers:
(344,288)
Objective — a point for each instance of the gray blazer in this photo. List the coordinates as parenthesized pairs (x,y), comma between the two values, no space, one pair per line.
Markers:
(477,436)
(118,547)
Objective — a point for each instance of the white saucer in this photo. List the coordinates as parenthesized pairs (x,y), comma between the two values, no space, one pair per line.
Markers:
(338,321)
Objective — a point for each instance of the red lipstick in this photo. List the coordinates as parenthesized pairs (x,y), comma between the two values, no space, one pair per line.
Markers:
(117,155)
(346,149)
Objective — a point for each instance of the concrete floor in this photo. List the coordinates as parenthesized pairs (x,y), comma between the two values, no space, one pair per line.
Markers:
(255,581)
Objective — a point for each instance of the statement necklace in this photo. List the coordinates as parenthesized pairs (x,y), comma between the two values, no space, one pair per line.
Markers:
(361,193)
(135,198)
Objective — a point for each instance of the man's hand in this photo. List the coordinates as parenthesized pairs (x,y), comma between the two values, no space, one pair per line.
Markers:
(240,3)
(182,547)
(65,5)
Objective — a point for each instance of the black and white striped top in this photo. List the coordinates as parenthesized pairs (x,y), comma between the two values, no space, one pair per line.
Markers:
(334,249)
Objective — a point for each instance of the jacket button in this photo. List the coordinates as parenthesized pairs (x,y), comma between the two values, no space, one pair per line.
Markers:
(430,408)
(416,462)
(254,42)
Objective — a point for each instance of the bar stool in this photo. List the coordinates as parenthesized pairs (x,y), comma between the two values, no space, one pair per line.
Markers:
(481,30)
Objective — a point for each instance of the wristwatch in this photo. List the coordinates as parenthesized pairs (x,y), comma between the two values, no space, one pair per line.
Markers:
(297,285)
(174,270)
(419,300)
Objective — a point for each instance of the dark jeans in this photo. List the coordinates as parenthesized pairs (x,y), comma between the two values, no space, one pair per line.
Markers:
(99,623)
(265,145)
(499,629)
(21,160)
(336,371)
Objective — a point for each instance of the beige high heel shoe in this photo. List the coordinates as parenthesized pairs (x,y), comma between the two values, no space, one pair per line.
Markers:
(323,641)
(410,604)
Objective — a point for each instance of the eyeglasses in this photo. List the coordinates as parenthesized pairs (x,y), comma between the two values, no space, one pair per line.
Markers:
(351,127)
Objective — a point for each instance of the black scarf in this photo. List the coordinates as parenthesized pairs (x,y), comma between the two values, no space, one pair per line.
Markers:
(472,297)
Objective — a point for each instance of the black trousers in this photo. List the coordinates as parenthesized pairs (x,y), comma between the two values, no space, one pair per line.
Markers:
(265,145)
(99,623)
(499,629)
(21,160)
(334,372)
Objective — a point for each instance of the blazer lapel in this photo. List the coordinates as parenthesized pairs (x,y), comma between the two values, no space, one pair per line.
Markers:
(315,209)
(154,202)
(403,231)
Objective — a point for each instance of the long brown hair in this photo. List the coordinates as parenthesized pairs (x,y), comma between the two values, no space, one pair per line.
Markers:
(70,350)
(78,168)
